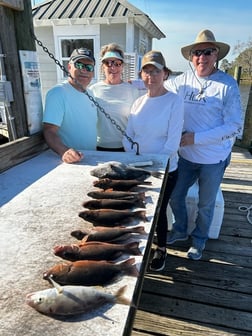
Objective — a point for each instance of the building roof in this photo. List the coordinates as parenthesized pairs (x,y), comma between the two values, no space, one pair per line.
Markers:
(92,12)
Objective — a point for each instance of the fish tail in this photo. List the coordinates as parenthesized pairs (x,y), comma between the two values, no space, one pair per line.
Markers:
(140,230)
(133,248)
(141,204)
(142,196)
(129,268)
(157,174)
(146,182)
(120,298)
(142,215)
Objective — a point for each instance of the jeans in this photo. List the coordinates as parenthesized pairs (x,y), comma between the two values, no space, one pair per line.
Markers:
(209,177)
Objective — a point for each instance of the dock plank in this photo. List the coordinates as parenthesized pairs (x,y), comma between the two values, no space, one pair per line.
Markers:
(211,296)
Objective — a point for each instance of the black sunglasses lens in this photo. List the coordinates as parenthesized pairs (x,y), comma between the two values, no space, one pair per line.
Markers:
(205,52)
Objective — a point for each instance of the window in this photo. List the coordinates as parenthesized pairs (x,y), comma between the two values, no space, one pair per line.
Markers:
(67,45)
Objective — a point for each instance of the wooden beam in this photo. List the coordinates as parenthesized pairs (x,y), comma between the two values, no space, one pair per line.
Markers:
(15,152)
(13,4)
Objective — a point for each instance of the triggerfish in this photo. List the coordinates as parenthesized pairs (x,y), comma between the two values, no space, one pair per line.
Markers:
(107,234)
(111,217)
(120,171)
(72,300)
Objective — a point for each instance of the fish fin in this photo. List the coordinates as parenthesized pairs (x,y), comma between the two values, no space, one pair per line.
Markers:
(157,174)
(55,285)
(120,298)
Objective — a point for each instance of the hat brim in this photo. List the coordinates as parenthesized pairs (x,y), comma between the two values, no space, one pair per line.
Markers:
(77,58)
(157,65)
(223,49)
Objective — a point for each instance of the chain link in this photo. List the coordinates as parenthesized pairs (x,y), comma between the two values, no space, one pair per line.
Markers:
(91,98)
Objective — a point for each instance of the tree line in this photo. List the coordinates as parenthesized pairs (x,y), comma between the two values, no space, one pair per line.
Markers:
(243,60)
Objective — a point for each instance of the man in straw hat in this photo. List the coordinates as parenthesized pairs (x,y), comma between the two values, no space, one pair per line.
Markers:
(212,120)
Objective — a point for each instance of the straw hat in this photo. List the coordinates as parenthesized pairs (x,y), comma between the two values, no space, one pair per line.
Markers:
(206,36)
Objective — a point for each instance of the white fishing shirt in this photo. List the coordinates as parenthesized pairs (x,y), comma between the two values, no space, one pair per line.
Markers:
(215,116)
(155,123)
(116,100)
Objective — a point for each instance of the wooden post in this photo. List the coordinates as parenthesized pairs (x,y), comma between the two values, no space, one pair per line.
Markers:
(15,35)
(247,131)
(237,74)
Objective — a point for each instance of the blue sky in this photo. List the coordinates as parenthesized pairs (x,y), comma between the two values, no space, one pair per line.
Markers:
(181,20)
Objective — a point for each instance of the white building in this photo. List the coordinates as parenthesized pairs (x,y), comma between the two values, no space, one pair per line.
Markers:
(65,25)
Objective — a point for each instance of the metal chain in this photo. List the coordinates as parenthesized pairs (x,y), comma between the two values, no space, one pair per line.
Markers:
(91,98)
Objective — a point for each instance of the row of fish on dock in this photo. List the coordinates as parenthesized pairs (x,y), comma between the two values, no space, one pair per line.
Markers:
(92,260)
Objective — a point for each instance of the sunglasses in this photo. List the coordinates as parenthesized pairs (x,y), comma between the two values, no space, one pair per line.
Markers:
(81,66)
(205,52)
(112,63)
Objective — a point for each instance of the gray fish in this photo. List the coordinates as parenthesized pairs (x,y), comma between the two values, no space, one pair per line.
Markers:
(107,234)
(111,217)
(116,194)
(113,204)
(120,171)
(72,300)
(123,185)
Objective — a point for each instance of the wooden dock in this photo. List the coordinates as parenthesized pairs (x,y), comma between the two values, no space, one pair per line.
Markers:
(212,296)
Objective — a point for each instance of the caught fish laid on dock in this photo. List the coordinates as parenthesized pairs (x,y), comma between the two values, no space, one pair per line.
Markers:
(90,272)
(107,234)
(110,217)
(113,204)
(123,185)
(96,251)
(120,171)
(72,300)
(116,194)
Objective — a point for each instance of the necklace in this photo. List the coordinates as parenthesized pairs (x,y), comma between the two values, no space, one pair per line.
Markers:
(203,84)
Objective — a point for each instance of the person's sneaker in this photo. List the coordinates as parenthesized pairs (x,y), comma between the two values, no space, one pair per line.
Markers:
(194,253)
(158,260)
(176,236)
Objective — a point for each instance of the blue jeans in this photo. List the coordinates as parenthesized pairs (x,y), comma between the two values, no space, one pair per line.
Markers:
(209,178)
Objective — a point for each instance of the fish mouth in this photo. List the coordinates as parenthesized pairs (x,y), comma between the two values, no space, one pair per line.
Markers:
(29,301)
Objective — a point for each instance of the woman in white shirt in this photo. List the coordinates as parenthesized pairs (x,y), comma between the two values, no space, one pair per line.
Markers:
(155,123)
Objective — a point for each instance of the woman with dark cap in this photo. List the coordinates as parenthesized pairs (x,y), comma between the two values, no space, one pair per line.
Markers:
(155,123)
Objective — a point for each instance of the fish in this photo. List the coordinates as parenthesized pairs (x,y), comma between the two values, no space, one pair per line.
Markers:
(116,194)
(120,171)
(96,251)
(73,300)
(111,217)
(122,185)
(107,234)
(113,204)
(90,272)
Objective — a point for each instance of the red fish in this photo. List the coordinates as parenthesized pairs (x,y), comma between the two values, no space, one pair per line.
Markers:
(113,204)
(107,234)
(110,217)
(122,185)
(96,251)
(90,272)
(117,194)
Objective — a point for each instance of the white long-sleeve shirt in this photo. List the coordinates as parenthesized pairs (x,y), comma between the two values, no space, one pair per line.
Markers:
(155,123)
(213,116)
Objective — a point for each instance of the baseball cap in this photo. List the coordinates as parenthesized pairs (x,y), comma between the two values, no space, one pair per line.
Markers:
(82,53)
(155,58)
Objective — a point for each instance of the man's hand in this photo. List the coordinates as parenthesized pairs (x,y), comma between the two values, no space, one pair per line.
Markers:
(71,156)
(187,139)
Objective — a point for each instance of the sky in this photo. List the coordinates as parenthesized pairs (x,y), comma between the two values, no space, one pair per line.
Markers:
(181,20)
